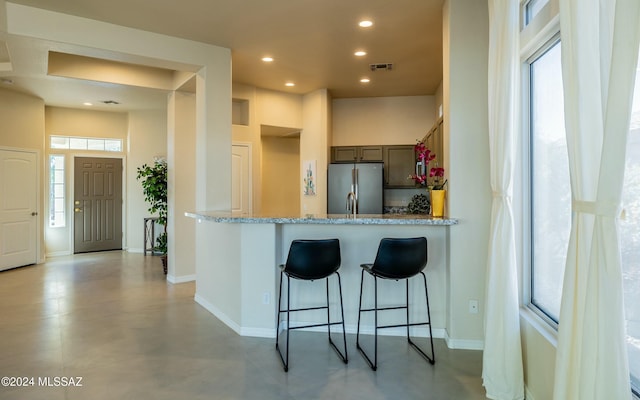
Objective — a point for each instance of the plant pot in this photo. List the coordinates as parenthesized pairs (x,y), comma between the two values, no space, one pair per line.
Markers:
(437,202)
(164,263)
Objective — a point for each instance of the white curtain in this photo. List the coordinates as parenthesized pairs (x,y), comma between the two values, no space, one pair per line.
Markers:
(502,357)
(600,40)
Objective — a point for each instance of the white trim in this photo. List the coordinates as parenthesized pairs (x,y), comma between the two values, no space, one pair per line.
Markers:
(463,344)
(217,313)
(258,332)
(59,253)
(134,250)
(181,279)
(540,325)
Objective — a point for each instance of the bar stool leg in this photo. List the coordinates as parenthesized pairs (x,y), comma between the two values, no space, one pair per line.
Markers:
(359,310)
(431,359)
(344,331)
(373,364)
(426,293)
(375,319)
(285,360)
(328,311)
(343,357)
(408,337)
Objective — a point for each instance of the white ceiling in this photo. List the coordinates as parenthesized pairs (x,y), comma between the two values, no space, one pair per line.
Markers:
(312,41)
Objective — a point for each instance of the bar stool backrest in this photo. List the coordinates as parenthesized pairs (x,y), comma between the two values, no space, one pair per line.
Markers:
(313,259)
(400,258)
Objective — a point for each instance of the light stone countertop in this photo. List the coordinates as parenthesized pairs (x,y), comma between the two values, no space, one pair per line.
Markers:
(324,219)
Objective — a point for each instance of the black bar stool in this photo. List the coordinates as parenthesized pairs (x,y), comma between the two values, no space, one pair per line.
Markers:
(396,259)
(310,260)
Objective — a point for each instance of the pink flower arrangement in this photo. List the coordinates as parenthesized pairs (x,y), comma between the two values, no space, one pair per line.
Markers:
(425,156)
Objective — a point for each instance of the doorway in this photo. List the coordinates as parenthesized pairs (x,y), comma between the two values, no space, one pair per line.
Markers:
(97,205)
(18,208)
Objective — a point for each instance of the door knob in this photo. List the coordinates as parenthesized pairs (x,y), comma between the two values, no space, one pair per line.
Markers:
(77,209)
(33,214)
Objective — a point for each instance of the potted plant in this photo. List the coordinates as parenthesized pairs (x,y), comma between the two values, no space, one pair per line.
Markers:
(154,186)
(436,188)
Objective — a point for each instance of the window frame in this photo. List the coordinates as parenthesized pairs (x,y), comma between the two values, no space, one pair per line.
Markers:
(528,168)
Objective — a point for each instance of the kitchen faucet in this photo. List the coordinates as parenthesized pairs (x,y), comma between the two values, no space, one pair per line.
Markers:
(351,203)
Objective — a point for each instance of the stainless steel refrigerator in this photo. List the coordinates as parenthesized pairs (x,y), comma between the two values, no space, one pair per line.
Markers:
(364,181)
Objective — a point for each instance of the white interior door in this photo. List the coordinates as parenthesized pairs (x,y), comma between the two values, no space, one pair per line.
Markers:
(18,208)
(241,179)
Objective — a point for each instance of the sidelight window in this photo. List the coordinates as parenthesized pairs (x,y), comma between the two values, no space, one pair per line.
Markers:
(56,191)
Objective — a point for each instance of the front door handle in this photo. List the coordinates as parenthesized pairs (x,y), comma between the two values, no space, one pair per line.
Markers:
(33,214)
(77,209)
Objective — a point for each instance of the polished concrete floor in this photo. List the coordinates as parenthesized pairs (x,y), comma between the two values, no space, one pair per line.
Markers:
(112,320)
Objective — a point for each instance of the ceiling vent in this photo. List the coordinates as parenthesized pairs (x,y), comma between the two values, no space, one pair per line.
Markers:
(113,102)
(381,67)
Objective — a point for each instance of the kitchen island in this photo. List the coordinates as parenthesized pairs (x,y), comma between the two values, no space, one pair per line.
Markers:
(239,281)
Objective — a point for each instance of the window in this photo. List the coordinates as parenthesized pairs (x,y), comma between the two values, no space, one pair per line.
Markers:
(550,187)
(630,239)
(81,143)
(532,9)
(56,191)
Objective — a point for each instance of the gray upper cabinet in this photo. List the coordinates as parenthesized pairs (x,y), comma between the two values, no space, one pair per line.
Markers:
(346,154)
(399,163)
(435,143)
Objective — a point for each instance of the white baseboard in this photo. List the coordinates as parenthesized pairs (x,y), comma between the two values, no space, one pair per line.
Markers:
(242,331)
(217,313)
(440,333)
(58,253)
(258,332)
(181,279)
(463,344)
(134,250)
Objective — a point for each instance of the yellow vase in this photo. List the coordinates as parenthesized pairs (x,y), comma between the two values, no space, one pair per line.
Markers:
(437,202)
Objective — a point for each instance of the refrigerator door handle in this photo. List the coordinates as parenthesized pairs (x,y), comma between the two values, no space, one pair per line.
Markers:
(353,180)
(356,192)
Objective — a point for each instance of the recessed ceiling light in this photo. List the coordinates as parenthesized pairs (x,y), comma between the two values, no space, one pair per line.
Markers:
(365,80)
(86,103)
(267,59)
(360,53)
(290,84)
(365,24)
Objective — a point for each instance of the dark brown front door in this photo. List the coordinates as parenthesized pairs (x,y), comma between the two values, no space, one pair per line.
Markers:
(97,204)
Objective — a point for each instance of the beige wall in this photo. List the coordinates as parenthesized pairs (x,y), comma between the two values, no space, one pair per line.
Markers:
(281,176)
(539,357)
(315,141)
(22,127)
(83,123)
(382,120)
(182,185)
(147,140)
(279,109)
(22,119)
(250,134)
(466,146)
(265,107)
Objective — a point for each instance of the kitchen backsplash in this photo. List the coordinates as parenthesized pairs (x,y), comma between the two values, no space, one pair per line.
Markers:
(397,200)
